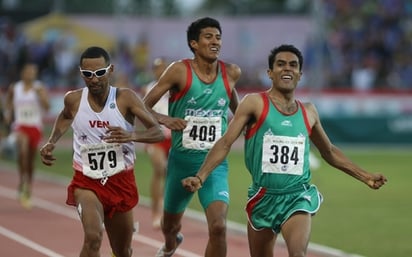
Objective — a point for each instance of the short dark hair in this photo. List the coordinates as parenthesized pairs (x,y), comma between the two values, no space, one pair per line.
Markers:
(95,52)
(193,31)
(285,48)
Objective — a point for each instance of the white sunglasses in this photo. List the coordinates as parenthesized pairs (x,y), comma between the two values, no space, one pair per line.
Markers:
(98,73)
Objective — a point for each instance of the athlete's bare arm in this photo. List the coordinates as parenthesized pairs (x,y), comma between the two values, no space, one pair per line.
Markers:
(335,157)
(173,79)
(43,97)
(132,107)
(233,72)
(248,110)
(9,107)
(61,124)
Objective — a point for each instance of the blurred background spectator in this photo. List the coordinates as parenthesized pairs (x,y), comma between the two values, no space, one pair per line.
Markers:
(366,44)
(350,44)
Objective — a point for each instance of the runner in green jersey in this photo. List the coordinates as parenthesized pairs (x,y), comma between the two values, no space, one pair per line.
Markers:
(278,129)
(201,92)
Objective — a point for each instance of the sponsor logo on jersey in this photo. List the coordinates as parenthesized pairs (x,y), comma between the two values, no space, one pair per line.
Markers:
(286,123)
(204,113)
(221,102)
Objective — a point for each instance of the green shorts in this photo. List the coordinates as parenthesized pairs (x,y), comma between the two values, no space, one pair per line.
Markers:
(267,208)
(181,165)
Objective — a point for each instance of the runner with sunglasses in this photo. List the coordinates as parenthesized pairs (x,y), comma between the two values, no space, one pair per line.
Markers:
(98,73)
(103,187)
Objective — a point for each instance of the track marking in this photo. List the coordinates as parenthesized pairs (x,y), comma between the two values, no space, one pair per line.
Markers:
(27,242)
(67,212)
(70,213)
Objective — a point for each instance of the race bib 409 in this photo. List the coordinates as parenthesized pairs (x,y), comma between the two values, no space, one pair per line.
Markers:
(201,132)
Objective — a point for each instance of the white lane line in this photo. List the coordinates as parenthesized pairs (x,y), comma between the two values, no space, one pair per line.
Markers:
(156,244)
(27,242)
(70,213)
(43,204)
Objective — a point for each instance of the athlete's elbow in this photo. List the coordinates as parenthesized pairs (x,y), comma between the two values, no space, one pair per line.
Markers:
(156,137)
(161,137)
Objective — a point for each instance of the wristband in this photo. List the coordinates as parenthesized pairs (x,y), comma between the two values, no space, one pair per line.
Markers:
(200,180)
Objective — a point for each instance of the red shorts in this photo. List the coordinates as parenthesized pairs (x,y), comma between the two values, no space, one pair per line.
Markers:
(119,194)
(164,145)
(33,133)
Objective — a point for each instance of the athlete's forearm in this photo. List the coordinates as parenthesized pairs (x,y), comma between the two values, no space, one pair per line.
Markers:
(59,128)
(215,156)
(151,135)
(338,160)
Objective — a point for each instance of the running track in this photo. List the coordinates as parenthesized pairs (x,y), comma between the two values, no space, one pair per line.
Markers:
(52,228)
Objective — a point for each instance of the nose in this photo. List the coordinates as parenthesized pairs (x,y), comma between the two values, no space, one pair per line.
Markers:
(94,78)
(216,40)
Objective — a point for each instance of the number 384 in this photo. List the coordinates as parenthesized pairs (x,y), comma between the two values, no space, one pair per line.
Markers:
(284,154)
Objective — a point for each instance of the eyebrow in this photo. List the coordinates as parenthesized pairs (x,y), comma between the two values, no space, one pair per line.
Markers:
(210,34)
(283,61)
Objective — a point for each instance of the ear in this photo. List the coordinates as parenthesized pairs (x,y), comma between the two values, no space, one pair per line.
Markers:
(193,44)
(269,73)
(300,75)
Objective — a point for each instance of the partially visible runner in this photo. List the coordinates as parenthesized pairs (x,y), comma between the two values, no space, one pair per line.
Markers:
(158,152)
(26,103)
(278,130)
(202,90)
(103,187)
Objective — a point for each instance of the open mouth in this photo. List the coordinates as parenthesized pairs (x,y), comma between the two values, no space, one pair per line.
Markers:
(214,49)
(286,77)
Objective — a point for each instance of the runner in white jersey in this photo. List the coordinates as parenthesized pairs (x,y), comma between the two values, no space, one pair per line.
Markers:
(103,187)
(26,103)
(158,152)
(88,142)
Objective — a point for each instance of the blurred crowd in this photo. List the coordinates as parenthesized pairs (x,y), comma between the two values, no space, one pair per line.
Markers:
(57,59)
(366,44)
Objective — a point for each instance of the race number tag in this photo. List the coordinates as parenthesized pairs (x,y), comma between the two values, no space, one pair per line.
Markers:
(102,160)
(201,132)
(283,155)
(28,114)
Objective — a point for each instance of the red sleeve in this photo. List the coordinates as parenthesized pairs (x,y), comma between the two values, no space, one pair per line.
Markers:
(180,94)
(251,131)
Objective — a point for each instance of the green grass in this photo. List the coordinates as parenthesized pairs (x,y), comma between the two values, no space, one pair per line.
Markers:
(364,221)
(352,218)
